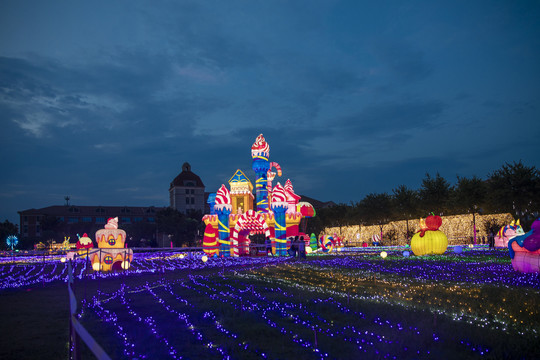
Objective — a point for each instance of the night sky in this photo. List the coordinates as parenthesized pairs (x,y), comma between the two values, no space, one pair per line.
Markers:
(105,100)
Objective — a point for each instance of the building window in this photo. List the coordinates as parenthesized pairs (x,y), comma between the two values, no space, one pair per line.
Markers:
(151,219)
(25,229)
(60,218)
(137,219)
(126,220)
(187,191)
(100,210)
(73,220)
(87,219)
(25,218)
(37,229)
(192,191)
(187,201)
(100,220)
(192,200)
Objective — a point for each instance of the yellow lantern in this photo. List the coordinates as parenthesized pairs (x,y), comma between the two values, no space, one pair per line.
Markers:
(384,254)
(204,258)
(433,242)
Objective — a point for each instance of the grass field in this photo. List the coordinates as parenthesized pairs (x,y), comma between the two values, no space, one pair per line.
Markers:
(471,305)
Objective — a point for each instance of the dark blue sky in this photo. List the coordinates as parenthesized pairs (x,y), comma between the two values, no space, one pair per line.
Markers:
(103,101)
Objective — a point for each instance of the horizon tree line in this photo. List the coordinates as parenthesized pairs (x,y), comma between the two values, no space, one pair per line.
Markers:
(514,189)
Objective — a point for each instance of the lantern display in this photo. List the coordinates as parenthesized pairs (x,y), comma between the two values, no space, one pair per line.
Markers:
(275,211)
(223,209)
(429,240)
(112,254)
(506,233)
(313,242)
(525,250)
(83,244)
(327,244)
(210,240)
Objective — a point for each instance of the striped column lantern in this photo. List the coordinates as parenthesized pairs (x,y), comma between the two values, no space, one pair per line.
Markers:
(260,152)
(279,207)
(223,209)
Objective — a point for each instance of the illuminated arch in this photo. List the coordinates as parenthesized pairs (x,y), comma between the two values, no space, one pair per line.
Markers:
(252,221)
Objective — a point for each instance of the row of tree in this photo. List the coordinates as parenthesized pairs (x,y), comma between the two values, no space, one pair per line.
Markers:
(514,188)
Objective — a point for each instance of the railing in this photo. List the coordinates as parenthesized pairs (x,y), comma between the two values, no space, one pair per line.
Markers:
(77,332)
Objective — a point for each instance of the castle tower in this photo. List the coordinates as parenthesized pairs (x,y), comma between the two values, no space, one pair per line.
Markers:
(241,193)
(260,152)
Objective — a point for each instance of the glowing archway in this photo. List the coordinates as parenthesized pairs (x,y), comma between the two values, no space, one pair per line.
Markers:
(252,221)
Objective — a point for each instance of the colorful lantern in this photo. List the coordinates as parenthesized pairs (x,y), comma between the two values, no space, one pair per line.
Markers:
(429,240)
(279,206)
(525,250)
(327,244)
(223,209)
(506,233)
(313,242)
(210,240)
(112,254)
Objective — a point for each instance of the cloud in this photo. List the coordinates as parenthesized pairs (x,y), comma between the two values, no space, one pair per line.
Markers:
(393,118)
(404,60)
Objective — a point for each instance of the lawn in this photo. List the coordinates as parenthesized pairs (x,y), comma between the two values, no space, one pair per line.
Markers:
(355,305)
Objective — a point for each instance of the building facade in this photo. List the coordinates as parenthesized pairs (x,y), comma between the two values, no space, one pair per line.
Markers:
(186,192)
(31,220)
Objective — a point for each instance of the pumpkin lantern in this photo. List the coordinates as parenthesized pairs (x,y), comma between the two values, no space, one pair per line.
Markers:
(429,240)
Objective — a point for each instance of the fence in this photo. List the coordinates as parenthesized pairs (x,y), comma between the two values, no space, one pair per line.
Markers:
(77,332)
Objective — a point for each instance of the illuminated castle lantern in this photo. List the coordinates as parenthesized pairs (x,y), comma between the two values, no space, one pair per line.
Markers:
(260,152)
(112,255)
(235,218)
(241,193)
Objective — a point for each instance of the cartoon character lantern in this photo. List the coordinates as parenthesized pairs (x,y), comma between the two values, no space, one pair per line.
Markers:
(525,250)
(429,240)
(506,233)
(112,254)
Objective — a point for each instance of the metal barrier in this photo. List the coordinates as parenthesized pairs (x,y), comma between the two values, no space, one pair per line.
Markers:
(77,332)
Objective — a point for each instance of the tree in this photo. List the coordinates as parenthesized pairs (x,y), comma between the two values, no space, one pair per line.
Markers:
(405,205)
(515,188)
(140,233)
(376,209)
(179,228)
(435,194)
(6,229)
(469,194)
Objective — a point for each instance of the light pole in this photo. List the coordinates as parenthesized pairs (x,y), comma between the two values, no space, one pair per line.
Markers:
(474,223)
